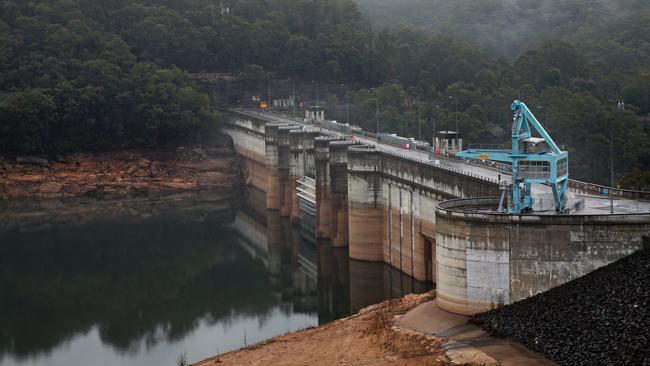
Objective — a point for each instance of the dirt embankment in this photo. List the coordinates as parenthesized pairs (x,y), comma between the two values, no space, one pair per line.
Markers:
(120,173)
(367,338)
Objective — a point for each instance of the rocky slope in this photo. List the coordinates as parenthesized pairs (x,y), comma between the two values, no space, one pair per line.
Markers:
(598,319)
(121,173)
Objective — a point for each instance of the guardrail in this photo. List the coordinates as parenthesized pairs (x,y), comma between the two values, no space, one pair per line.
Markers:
(363,133)
(585,187)
(433,164)
(488,147)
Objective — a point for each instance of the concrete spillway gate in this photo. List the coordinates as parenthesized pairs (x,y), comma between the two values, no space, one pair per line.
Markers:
(485,260)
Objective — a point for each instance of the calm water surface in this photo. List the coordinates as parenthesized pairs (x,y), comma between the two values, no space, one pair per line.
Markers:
(137,284)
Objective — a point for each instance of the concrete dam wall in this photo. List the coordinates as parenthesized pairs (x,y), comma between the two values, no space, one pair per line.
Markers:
(486,260)
(387,206)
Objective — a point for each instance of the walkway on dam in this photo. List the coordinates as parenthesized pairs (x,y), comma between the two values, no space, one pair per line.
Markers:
(589,203)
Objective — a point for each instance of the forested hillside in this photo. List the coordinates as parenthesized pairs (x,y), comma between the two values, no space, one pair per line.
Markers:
(507,28)
(96,75)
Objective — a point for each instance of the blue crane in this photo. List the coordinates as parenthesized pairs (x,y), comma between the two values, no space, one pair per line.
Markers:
(533,160)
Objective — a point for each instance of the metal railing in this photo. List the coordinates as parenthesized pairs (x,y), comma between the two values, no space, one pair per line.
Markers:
(489,147)
(433,164)
(597,189)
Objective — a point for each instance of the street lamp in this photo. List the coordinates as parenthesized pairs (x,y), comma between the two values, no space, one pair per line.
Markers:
(419,136)
(417,110)
(268,90)
(376,112)
(293,96)
(620,107)
(434,126)
(316,83)
(347,105)
(456,99)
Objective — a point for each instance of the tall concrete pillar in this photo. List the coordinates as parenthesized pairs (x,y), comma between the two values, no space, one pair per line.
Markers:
(338,168)
(273,186)
(399,246)
(323,192)
(365,203)
(284,167)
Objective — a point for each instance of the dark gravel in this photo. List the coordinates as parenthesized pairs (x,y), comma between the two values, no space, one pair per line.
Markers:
(599,319)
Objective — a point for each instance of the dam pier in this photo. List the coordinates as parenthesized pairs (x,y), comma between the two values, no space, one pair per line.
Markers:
(432,217)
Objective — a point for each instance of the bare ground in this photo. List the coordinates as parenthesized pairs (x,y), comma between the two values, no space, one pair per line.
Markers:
(367,338)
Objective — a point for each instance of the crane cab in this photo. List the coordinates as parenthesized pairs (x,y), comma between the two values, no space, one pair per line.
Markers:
(534,145)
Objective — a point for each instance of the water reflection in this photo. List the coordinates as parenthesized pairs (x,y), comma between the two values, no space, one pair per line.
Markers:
(125,288)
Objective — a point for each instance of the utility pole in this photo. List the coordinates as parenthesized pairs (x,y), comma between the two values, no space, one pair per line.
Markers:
(268,89)
(377,115)
(347,105)
(372,90)
(433,138)
(293,96)
(620,107)
(611,165)
(316,83)
(419,135)
(457,131)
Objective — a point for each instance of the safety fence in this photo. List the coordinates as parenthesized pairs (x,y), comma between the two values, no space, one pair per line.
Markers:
(433,163)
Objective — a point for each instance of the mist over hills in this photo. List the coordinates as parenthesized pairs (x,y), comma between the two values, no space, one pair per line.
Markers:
(507,28)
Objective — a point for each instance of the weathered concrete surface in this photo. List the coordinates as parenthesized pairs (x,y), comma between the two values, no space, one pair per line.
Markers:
(287,183)
(467,344)
(486,260)
(409,229)
(365,203)
(274,190)
(323,187)
(339,217)
(248,138)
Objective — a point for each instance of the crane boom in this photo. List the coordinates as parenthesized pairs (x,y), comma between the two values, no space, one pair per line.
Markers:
(534,160)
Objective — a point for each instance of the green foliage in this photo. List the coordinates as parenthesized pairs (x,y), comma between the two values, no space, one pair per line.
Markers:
(109,74)
(66,86)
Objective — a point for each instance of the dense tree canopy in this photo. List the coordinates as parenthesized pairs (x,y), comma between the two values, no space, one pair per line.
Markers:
(91,74)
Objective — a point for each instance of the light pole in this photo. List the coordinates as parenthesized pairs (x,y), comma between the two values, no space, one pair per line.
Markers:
(456,99)
(372,90)
(419,135)
(620,107)
(268,90)
(433,140)
(377,115)
(316,83)
(293,96)
(347,105)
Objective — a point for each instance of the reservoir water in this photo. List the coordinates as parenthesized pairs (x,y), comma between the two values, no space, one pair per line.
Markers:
(141,281)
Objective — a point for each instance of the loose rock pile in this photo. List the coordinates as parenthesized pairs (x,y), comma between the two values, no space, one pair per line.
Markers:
(599,319)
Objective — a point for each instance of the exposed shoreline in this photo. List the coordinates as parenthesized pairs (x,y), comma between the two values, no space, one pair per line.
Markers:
(369,337)
(123,173)
(410,330)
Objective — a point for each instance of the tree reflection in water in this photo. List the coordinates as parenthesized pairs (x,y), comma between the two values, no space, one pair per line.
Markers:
(158,278)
